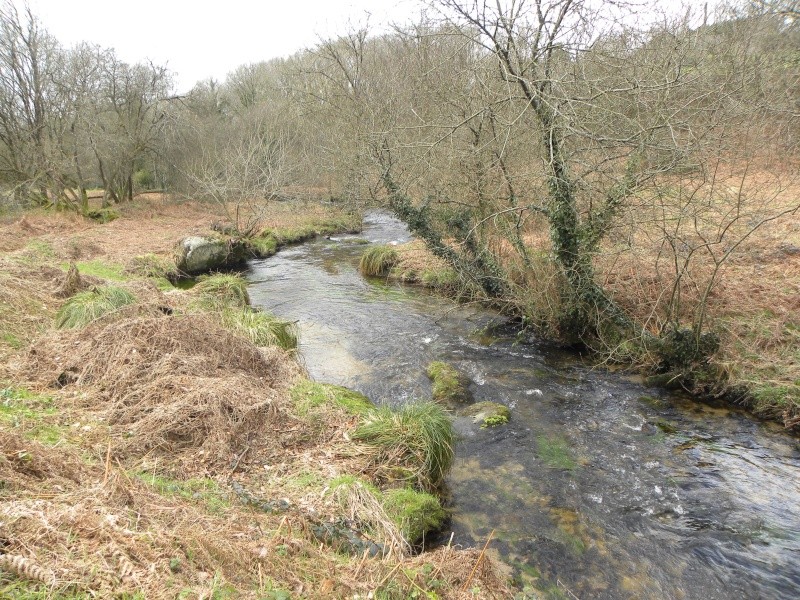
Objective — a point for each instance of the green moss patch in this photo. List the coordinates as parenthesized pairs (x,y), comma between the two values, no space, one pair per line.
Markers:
(488,414)
(415,513)
(555,453)
(448,384)
(101,269)
(308,395)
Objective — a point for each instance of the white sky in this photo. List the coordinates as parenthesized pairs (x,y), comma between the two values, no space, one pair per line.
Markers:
(198,39)
(201,39)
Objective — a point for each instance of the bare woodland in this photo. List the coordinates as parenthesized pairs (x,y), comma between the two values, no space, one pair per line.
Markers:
(594,168)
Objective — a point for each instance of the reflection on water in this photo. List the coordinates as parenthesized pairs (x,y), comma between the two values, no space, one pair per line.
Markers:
(610,488)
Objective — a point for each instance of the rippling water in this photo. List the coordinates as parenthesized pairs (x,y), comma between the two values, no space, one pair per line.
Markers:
(599,486)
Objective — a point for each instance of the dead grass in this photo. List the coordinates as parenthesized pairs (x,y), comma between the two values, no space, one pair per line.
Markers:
(157,393)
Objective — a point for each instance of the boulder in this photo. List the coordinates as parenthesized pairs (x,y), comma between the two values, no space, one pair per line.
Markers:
(197,255)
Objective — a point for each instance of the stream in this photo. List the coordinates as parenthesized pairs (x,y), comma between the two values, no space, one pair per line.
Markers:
(599,487)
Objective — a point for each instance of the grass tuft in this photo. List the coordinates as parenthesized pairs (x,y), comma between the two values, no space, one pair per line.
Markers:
(261,328)
(415,513)
(222,290)
(85,307)
(378,261)
(418,437)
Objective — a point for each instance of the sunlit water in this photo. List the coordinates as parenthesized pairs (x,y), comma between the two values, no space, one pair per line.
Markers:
(599,486)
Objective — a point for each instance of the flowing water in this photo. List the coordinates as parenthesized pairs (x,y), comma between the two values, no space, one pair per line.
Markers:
(599,487)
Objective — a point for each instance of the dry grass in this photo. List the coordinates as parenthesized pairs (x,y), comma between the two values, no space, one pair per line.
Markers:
(157,419)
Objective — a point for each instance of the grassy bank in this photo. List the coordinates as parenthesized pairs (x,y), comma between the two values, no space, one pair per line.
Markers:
(165,443)
(752,315)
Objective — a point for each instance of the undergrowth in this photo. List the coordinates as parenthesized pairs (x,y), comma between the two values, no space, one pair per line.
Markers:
(85,307)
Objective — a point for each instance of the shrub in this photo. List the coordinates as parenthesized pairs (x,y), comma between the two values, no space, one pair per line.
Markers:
(222,290)
(263,329)
(417,438)
(378,261)
(85,307)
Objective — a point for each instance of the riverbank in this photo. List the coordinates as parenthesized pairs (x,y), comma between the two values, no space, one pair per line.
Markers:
(753,312)
(129,467)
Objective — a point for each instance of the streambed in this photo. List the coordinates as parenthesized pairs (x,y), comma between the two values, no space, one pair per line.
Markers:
(599,486)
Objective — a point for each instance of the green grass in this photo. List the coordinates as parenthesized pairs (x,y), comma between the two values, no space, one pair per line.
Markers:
(378,261)
(415,513)
(103,270)
(263,245)
(308,395)
(448,384)
(418,438)
(261,328)
(12,588)
(205,491)
(28,413)
(222,290)
(85,307)
(152,266)
(555,453)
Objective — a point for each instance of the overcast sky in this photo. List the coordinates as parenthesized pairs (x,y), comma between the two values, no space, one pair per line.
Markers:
(199,39)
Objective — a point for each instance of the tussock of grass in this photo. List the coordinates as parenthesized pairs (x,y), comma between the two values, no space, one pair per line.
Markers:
(261,328)
(415,513)
(308,395)
(448,384)
(222,290)
(152,266)
(85,307)
(263,245)
(378,261)
(416,439)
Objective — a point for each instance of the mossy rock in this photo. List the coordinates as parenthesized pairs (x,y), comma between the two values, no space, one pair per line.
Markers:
(448,384)
(102,215)
(197,255)
(307,395)
(415,513)
(488,414)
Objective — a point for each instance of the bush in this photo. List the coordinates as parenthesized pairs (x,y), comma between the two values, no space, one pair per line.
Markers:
(222,291)
(262,329)
(378,261)
(417,438)
(85,307)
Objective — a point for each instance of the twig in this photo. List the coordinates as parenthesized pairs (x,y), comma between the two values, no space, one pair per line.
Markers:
(385,579)
(238,460)
(477,562)
(361,564)
(274,537)
(108,464)
(566,589)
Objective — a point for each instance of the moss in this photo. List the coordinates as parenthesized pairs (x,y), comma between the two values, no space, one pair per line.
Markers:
(261,328)
(222,290)
(417,438)
(85,307)
(555,453)
(415,513)
(448,384)
(488,414)
(102,215)
(378,261)
(307,395)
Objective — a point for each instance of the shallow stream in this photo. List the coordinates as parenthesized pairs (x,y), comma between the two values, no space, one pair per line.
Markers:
(599,487)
